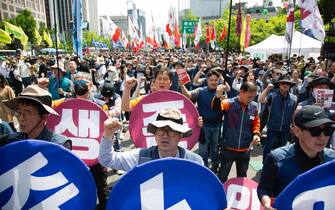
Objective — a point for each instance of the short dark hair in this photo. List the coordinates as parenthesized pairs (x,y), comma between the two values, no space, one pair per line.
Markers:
(161,71)
(248,87)
(38,106)
(212,72)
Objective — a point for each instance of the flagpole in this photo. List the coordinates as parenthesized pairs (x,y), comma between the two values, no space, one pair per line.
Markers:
(56,43)
(291,35)
(227,49)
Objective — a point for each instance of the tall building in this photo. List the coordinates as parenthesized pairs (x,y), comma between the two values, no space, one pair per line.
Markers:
(141,21)
(208,9)
(91,15)
(11,8)
(121,21)
(63,9)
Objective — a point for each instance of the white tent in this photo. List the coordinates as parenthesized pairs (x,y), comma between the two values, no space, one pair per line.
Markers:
(301,45)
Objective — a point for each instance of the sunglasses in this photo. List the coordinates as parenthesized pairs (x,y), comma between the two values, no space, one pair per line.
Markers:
(316,131)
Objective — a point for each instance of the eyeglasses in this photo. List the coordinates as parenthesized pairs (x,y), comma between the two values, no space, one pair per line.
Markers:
(285,83)
(24,114)
(316,131)
(170,133)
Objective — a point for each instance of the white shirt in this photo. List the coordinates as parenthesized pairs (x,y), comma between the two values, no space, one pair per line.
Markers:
(127,160)
(23,69)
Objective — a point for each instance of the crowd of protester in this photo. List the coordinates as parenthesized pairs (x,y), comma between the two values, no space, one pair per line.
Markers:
(255,100)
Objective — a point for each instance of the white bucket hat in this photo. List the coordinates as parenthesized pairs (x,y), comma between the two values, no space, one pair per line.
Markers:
(170,117)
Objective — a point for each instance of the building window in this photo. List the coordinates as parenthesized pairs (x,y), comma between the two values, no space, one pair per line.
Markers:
(11,8)
(5,14)
(4,6)
(18,10)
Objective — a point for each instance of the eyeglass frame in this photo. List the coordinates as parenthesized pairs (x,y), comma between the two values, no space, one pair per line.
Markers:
(168,132)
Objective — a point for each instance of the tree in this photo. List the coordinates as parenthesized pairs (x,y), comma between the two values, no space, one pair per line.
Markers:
(27,23)
(189,16)
(89,36)
(326,8)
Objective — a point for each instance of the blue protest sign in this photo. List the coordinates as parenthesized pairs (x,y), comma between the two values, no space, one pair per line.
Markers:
(41,175)
(169,184)
(314,189)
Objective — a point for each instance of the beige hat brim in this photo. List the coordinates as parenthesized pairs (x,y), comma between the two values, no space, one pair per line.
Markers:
(12,104)
(186,131)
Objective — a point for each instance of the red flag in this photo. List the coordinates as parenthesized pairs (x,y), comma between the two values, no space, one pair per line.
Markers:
(116,35)
(208,36)
(151,41)
(213,36)
(223,34)
(168,29)
(176,35)
(247,32)
(238,27)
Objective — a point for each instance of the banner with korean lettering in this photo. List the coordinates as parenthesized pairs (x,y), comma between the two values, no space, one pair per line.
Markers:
(37,174)
(147,110)
(83,122)
(314,189)
(168,184)
(242,194)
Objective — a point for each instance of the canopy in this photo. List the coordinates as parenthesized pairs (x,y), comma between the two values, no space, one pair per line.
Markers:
(301,45)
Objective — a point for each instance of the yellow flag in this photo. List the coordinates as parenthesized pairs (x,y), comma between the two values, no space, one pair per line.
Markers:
(24,38)
(17,32)
(5,37)
(37,37)
(47,38)
(242,38)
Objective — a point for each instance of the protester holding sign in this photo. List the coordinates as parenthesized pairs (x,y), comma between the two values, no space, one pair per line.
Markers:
(241,128)
(317,84)
(168,130)
(82,91)
(32,108)
(313,130)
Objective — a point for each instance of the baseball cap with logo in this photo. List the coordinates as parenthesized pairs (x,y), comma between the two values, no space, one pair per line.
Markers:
(34,93)
(172,118)
(310,116)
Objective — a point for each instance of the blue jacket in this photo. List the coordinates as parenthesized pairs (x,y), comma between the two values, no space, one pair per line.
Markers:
(54,85)
(240,124)
(281,111)
(46,135)
(210,117)
(288,165)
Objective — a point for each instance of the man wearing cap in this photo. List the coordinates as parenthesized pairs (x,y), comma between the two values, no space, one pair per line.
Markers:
(280,105)
(168,130)
(313,130)
(59,86)
(32,108)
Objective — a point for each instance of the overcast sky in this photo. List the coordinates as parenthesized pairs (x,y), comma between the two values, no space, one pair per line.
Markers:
(159,8)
